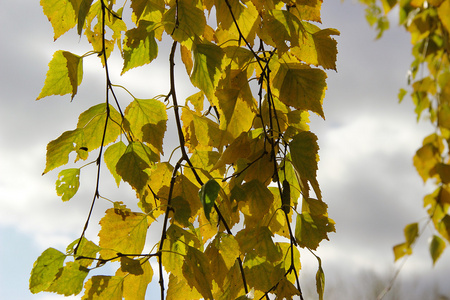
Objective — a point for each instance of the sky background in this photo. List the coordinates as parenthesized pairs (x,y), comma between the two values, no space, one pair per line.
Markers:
(366,174)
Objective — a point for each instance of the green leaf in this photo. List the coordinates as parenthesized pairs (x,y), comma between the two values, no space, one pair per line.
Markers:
(133,162)
(45,269)
(129,228)
(104,288)
(86,248)
(147,119)
(320,280)
(68,183)
(59,149)
(64,75)
(140,46)
(411,232)
(184,21)
(61,15)
(92,123)
(301,87)
(310,230)
(437,246)
(83,11)
(304,154)
(112,155)
(69,280)
(208,195)
(207,67)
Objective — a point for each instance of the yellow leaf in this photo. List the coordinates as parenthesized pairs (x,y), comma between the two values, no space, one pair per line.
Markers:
(103,288)
(64,75)
(136,279)
(286,290)
(437,246)
(184,22)
(129,231)
(92,123)
(179,290)
(261,274)
(112,155)
(301,87)
(304,156)
(200,132)
(61,15)
(259,240)
(146,119)
(310,230)
(307,10)
(207,67)
(68,183)
(258,200)
(45,269)
(139,46)
(196,271)
(133,162)
(444,13)
(69,280)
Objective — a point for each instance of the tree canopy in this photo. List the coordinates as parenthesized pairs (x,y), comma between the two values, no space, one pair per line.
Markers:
(237,196)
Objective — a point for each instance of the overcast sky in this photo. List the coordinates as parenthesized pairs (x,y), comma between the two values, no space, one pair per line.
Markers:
(367,143)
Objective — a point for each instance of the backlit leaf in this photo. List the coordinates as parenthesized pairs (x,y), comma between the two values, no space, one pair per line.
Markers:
(261,274)
(411,232)
(146,119)
(104,288)
(437,246)
(310,230)
(112,155)
(92,122)
(286,290)
(45,269)
(320,280)
(139,47)
(197,272)
(68,183)
(184,22)
(64,74)
(208,195)
(207,67)
(86,249)
(136,279)
(304,154)
(83,10)
(301,87)
(130,229)
(133,162)
(61,15)
(401,250)
(69,280)
(59,149)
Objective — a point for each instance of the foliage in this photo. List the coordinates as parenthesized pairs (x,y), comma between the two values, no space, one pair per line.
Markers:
(428,22)
(245,152)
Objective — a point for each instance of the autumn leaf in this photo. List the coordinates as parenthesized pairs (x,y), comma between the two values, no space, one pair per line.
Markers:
(130,230)
(68,183)
(46,269)
(64,74)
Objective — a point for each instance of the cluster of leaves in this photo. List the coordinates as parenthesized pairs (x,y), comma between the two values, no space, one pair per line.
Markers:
(428,22)
(245,152)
